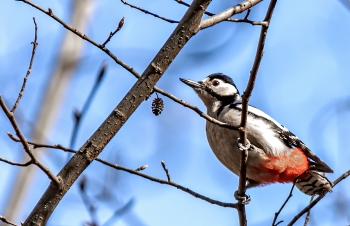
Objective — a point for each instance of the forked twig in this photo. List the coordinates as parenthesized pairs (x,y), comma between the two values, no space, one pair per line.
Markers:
(118,167)
(313,203)
(33,158)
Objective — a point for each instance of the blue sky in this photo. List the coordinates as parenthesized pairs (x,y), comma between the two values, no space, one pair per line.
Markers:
(303,83)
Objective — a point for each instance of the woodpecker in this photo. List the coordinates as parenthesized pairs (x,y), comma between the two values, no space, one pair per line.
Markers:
(274,154)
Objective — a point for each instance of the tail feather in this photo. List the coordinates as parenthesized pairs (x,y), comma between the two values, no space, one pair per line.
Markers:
(313,183)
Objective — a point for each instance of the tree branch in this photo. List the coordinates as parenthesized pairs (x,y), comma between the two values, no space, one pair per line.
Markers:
(16,163)
(188,26)
(3,219)
(245,99)
(135,172)
(312,204)
(81,35)
(285,202)
(227,13)
(150,13)
(166,171)
(79,115)
(34,160)
(244,20)
(130,69)
(120,25)
(29,68)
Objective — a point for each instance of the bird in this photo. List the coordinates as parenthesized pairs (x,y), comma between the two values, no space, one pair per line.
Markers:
(275,155)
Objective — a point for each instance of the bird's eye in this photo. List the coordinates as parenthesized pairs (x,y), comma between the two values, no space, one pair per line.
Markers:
(216,83)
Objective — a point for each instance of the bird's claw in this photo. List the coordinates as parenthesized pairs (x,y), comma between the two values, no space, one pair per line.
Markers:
(245,199)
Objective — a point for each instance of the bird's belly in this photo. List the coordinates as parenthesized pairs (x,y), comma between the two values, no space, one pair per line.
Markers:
(223,143)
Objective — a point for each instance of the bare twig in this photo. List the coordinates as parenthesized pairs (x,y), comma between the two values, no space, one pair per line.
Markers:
(227,13)
(29,68)
(120,25)
(245,99)
(245,20)
(90,207)
(25,145)
(79,115)
(135,172)
(150,13)
(50,13)
(285,202)
(313,203)
(246,15)
(166,171)
(16,163)
(3,219)
(307,218)
(141,168)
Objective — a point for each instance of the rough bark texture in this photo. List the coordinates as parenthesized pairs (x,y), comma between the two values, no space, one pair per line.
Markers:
(188,26)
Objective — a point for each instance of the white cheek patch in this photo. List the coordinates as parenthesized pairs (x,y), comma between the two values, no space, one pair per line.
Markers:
(225,89)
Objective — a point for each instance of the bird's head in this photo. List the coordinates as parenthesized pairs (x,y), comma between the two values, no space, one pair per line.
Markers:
(215,88)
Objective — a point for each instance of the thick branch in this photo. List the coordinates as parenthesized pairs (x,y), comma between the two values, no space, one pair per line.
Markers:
(245,98)
(312,204)
(227,13)
(188,26)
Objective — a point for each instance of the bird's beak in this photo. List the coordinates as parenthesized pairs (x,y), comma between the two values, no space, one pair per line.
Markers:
(191,83)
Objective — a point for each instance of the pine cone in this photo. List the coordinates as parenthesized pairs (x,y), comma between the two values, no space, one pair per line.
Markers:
(157,106)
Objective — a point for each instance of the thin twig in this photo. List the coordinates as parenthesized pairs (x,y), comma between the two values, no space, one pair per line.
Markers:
(285,202)
(150,13)
(246,15)
(29,68)
(166,171)
(307,218)
(79,115)
(309,207)
(118,167)
(245,99)
(50,13)
(120,25)
(3,219)
(227,13)
(90,207)
(25,145)
(245,20)
(16,163)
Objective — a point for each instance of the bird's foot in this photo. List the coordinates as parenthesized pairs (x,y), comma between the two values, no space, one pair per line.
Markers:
(245,199)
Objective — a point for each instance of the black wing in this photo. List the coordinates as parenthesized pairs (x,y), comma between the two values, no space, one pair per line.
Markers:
(293,141)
